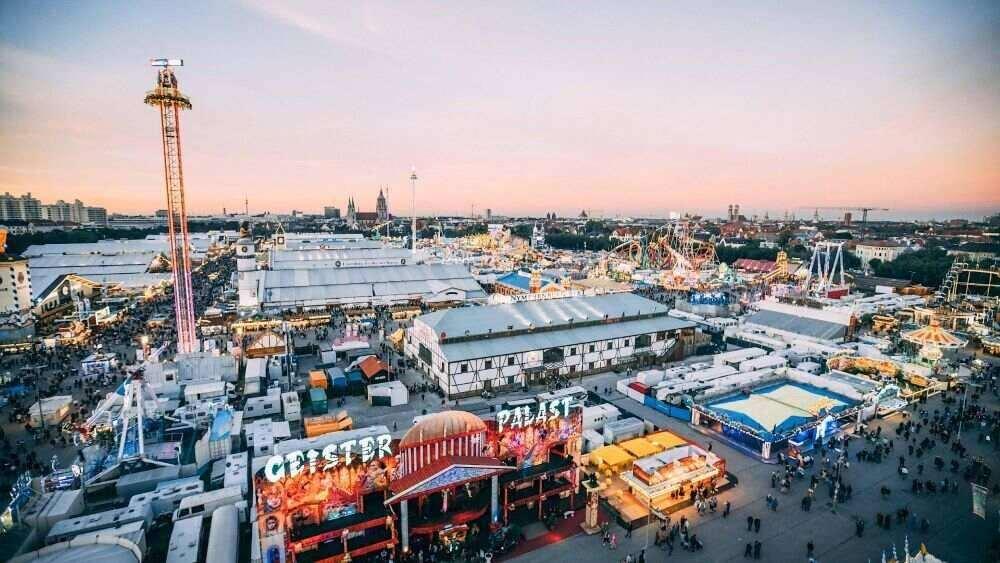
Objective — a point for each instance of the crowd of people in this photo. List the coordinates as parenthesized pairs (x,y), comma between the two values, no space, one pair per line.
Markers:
(925,442)
(43,371)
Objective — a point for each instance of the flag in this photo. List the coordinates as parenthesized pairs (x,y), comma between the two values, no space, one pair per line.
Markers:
(979,493)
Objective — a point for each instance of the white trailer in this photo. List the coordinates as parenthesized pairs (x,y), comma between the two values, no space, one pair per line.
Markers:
(185,540)
(205,504)
(597,416)
(389,394)
(50,409)
(167,500)
(734,357)
(223,536)
(67,529)
(267,405)
(621,430)
(763,362)
(291,408)
(194,392)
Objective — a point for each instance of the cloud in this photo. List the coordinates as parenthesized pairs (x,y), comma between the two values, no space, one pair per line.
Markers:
(353,27)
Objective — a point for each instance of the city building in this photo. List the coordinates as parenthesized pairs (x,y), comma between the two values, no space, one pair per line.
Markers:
(15,299)
(367,219)
(466,351)
(22,208)
(76,212)
(331,212)
(28,208)
(319,288)
(520,282)
(885,251)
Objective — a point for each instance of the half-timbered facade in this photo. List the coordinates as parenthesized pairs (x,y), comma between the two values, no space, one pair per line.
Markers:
(471,349)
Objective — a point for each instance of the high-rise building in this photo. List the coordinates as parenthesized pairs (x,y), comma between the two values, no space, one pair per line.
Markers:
(76,212)
(331,212)
(97,216)
(23,208)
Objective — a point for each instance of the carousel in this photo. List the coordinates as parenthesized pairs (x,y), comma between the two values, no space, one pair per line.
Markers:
(933,341)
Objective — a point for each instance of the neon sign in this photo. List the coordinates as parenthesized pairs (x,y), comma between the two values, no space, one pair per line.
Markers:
(520,417)
(295,463)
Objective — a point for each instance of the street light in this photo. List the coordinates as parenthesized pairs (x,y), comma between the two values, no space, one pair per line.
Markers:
(961,416)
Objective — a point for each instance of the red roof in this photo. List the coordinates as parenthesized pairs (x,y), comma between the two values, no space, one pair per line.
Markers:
(372,366)
(400,487)
(754,266)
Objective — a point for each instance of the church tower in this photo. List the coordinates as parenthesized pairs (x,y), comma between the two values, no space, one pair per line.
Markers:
(352,218)
(382,207)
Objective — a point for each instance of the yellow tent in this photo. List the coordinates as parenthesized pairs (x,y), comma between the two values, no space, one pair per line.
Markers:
(396,338)
(666,440)
(641,447)
(611,457)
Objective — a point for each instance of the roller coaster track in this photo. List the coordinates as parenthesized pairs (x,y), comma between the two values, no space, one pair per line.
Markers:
(962,280)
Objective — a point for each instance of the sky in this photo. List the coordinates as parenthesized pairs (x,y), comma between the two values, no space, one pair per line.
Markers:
(618,108)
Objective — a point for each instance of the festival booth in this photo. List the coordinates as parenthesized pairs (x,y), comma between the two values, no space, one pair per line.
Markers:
(460,473)
(266,344)
(665,479)
(655,472)
(912,380)
(323,499)
(342,495)
(374,370)
(763,416)
(98,364)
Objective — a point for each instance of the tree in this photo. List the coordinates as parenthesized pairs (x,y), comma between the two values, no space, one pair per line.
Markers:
(926,267)
(568,241)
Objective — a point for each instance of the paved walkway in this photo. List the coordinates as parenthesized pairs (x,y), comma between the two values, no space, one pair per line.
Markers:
(956,535)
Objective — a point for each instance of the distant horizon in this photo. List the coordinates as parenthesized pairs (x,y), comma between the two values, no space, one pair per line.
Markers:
(633,109)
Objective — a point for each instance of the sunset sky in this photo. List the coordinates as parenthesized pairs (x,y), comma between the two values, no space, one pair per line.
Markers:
(633,108)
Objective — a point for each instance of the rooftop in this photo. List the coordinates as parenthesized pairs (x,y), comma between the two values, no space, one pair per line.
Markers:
(495,320)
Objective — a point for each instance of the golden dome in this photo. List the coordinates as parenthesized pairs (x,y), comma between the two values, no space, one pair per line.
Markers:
(440,425)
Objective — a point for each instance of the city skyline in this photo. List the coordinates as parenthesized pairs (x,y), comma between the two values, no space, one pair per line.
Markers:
(636,109)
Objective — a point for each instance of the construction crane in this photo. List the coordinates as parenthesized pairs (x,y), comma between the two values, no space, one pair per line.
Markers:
(170,101)
(864,214)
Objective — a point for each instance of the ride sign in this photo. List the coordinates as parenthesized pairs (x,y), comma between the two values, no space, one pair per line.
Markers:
(519,417)
(295,463)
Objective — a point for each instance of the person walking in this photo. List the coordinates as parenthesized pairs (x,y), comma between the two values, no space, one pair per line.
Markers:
(748,552)
(756,525)
(809,549)
(628,530)
(749,523)
(756,549)
(725,509)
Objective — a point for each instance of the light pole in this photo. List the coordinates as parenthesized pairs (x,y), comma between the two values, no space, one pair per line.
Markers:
(961,415)
(649,515)
(413,212)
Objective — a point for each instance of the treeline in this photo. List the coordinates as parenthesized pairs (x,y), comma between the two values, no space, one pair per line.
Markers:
(567,241)
(18,243)
(926,267)
(753,251)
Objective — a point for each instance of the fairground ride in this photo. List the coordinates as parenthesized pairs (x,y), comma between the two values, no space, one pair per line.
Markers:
(672,248)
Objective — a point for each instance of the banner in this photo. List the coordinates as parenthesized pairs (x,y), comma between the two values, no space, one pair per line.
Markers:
(979,500)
